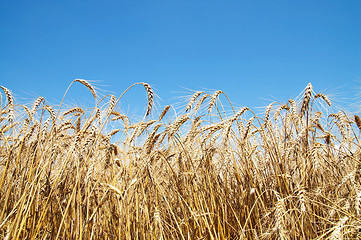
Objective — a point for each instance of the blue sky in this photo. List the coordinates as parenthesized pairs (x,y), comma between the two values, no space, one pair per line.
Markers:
(252,50)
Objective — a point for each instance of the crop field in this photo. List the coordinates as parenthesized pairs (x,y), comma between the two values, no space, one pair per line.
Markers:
(292,172)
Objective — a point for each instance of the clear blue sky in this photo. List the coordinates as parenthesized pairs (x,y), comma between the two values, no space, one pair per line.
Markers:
(249,49)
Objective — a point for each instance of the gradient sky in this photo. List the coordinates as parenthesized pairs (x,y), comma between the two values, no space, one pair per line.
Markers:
(254,51)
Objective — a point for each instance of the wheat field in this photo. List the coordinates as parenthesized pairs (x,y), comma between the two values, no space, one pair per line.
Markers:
(292,172)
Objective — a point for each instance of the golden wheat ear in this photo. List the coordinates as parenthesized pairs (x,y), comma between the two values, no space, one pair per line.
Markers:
(324,97)
(214,99)
(74,110)
(306,99)
(10,99)
(150,97)
(192,100)
(87,85)
(358,122)
(164,112)
(36,105)
(112,103)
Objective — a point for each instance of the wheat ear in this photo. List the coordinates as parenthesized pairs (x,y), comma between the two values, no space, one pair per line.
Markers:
(51,112)
(87,85)
(111,105)
(164,112)
(239,113)
(36,105)
(10,101)
(358,122)
(306,99)
(214,99)
(150,97)
(199,103)
(192,100)
(74,110)
(324,97)
(280,212)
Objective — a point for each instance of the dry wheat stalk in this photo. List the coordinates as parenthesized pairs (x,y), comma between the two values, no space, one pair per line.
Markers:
(176,125)
(65,125)
(239,113)
(248,127)
(318,125)
(267,113)
(51,112)
(27,110)
(324,97)
(164,112)
(302,198)
(25,126)
(193,131)
(140,128)
(97,116)
(293,106)
(150,97)
(74,110)
(87,85)
(280,213)
(158,224)
(214,99)
(8,95)
(213,139)
(328,137)
(111,105)
(114,132)
(306,99)
(315,155)
(118,116)
(358,122)
(200,101)
(152,139)
(31,131)
(357,197)
(342,121)
(45,128)
(7,127)
(36,105)
(10,99)
(226,132)
(136,131)
(115,113)
(278,111)
(212,129)
(192,100)
(78,124)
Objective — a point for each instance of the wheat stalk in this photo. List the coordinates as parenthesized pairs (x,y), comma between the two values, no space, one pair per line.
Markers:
(239,113)
(10,99)
(358,122)
(74,110)
(199,103)
(164,112)
(324,97)
(176,125)
(306,99)
(280,215)
(87,85)
(111,105)
(214,99)
(192,100)
(150,97)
